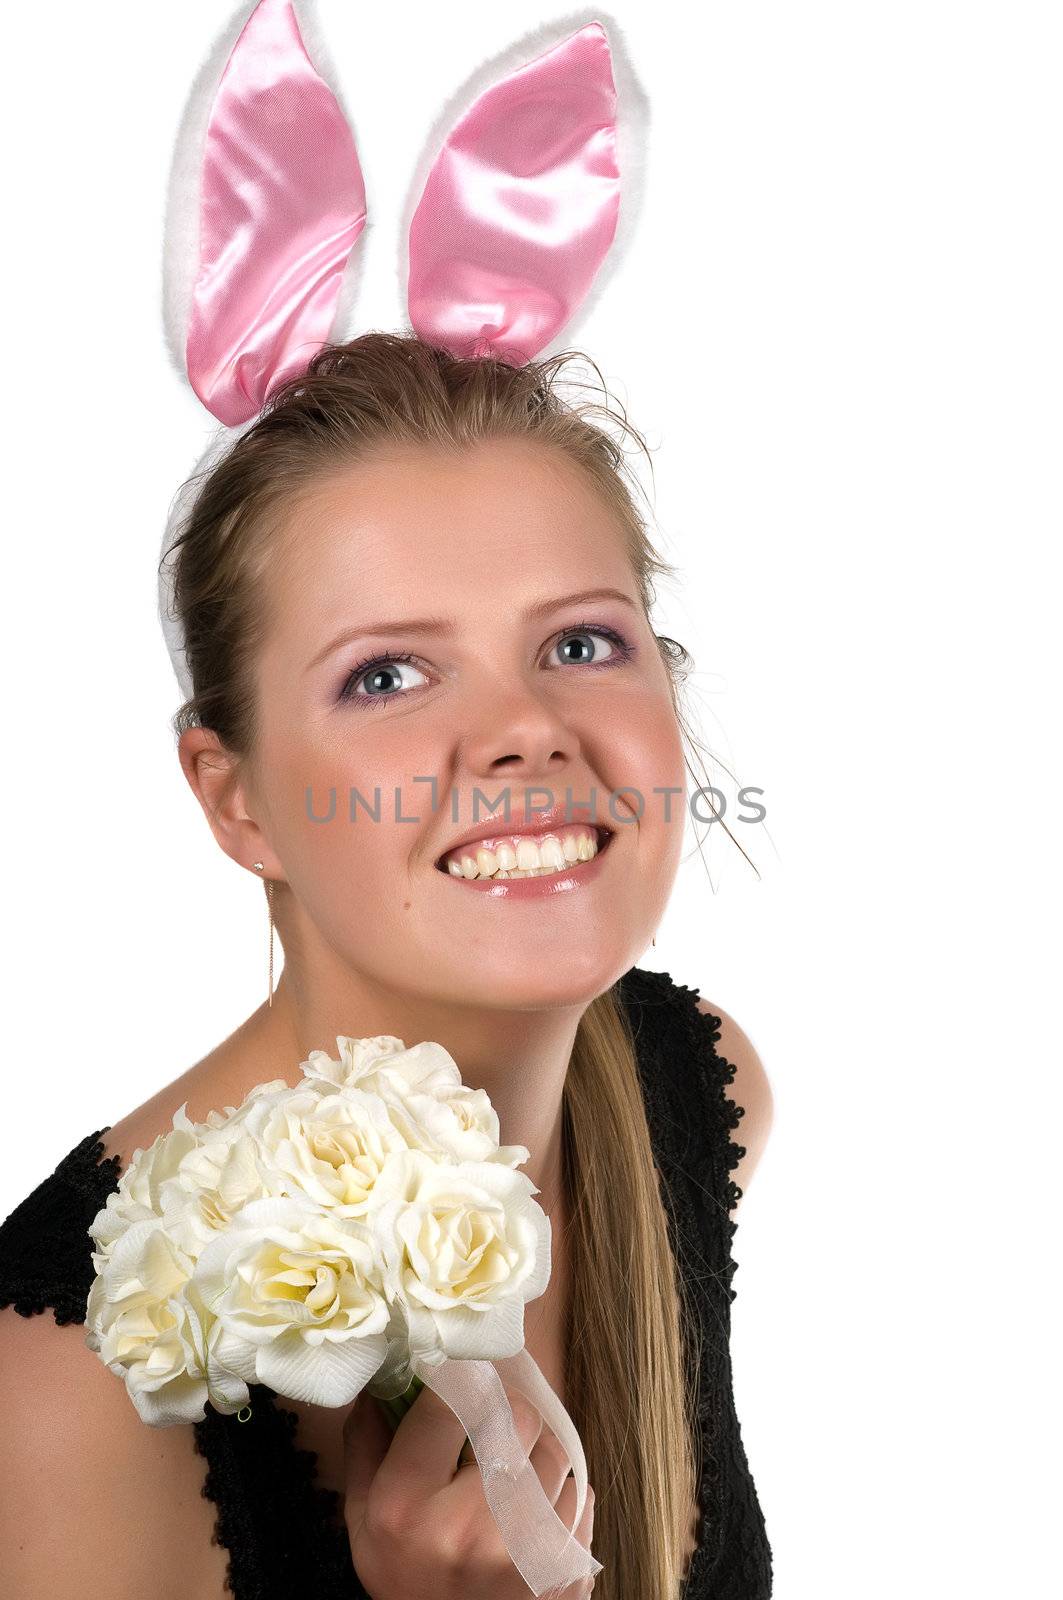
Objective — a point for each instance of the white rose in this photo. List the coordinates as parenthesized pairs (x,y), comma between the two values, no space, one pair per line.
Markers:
(232,1116)
(149,1330)
(329,1147)
(457,1123)
(464,1248)
(213,1183)
(194,1177)
(356,1056)
(139,1195)
(428,1103)
(427,1066)
(297,1292)
(222,1171)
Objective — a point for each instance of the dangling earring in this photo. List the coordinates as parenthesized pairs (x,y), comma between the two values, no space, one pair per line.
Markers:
(653,941)
(269,902)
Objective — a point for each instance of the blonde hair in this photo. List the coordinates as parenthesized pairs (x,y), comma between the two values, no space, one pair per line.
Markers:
(625,1379)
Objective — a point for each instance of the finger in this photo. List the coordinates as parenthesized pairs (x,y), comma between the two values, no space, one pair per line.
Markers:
(497,1555)
(551,1462)
(367,1437)
(424,1449)
(527,1422)
(566,1510)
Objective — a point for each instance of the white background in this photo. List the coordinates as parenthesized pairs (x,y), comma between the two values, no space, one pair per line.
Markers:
(838,321)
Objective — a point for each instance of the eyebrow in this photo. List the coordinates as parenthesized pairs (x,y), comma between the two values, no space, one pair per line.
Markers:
(441,627)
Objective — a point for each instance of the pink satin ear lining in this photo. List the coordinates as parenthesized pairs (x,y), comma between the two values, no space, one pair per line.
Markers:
(520,207)
(518,212)
(282,203)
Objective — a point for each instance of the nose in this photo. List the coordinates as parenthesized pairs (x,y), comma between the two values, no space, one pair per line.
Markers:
(519,734)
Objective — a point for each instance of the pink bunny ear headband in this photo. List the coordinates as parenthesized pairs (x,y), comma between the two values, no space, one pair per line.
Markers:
(518,211)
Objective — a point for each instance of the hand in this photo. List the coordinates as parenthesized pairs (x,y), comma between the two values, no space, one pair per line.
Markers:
(420,1526)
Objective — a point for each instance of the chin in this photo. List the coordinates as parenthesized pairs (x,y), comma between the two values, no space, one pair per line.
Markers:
(548,979)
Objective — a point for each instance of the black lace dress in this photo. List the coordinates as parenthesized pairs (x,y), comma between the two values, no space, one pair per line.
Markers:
(283,1531)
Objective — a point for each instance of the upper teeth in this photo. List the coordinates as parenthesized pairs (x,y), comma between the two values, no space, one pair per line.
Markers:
(523,855)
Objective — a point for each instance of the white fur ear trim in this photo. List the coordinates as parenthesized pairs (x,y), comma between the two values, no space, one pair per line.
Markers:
(632,131)
(180,249)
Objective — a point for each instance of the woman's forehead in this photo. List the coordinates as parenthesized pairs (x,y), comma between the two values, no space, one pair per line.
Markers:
(421,521)
(413,487)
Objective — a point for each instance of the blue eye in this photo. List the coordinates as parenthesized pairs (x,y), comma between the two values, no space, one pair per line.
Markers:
(372,670)
(616,644)
(381,667)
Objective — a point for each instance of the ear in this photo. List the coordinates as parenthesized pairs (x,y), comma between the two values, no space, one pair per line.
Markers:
(213,776)
(520,206)
(266,202)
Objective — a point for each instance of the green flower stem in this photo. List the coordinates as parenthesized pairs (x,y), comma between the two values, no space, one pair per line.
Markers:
(396,1407)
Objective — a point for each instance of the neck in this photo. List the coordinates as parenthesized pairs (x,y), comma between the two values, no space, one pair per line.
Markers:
(519,1057)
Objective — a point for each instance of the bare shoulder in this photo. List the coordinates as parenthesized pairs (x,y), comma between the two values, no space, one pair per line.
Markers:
(94,1500)
(206,1086)
(751,1089)
(139,1128)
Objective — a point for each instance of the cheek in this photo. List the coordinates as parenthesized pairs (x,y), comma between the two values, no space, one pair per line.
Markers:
(334,808)
(646,756)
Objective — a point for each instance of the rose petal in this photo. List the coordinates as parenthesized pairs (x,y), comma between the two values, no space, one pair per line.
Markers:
(332,1374)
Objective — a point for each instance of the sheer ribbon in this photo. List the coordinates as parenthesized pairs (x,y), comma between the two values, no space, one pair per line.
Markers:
(546,1553)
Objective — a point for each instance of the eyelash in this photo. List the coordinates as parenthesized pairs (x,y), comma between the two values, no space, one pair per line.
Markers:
(347,694)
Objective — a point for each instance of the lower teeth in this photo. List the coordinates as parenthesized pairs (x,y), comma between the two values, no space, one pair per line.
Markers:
(533,872)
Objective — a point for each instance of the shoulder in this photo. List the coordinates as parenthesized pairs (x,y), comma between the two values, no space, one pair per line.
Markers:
(750,1089)
(139,1128)
(220,1078)
(86,1482)
(738,1071)
(56,1396)
(45,1248)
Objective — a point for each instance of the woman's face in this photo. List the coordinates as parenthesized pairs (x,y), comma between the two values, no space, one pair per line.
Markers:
(526,687)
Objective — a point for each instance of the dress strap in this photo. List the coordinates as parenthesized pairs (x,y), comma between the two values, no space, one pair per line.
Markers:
(45,1247)
(685,1082)
(691,1117)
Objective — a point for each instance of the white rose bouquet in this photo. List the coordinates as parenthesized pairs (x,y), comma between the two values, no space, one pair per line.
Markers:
(365,1229)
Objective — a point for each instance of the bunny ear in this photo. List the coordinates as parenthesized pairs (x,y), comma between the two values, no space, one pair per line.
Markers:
(281,203)
(520,206)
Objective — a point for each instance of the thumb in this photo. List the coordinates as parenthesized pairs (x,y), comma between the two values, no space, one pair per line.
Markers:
(367,1437)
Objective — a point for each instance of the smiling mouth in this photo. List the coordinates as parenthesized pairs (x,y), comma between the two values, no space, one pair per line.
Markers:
(526,855)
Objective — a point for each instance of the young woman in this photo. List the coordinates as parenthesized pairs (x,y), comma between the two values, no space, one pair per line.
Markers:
(416,578)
